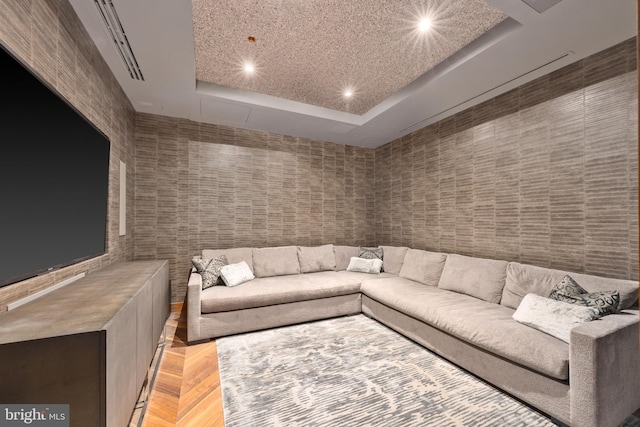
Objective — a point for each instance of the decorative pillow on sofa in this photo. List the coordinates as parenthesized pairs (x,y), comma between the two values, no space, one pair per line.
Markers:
(523,279)
(236,274)
(234,255)
(364,265)
(276,261)
(568,290)
(567,286)
(555,318)
(371,253)
(209,269)
(318,258)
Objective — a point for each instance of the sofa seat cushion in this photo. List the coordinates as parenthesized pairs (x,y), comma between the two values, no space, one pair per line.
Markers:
(485,325)
(266,291)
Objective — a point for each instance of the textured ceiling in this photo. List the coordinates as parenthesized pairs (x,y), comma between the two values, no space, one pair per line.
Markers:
(311,51)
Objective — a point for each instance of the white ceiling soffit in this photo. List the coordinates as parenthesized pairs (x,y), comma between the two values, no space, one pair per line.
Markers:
(527,45)
(224,112)
(428,120)
(541,5)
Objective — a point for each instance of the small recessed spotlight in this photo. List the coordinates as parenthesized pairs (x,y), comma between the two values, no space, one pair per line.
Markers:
(348,93)
(249,68)
(424,25)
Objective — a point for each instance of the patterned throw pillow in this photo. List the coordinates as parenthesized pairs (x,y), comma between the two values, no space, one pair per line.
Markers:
(371,253)
(209,269)
(568,290)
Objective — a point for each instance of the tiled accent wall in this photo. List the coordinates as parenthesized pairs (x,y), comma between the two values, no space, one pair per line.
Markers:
(545,174)
(205,186)
(50,38)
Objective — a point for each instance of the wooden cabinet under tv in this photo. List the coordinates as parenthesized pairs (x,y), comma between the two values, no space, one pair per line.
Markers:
(88,344)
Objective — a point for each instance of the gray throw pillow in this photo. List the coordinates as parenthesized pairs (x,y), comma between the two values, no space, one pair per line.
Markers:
(372,253)
(209,269)
(568,290)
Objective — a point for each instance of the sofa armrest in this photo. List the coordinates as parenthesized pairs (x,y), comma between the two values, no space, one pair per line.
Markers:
(604,370)
(194,293)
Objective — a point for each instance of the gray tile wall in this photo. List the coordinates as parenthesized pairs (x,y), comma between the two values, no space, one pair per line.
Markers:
(545,174)
(49,37)
(202,186)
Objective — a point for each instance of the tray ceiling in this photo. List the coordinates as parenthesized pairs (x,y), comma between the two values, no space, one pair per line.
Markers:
(306,53)
(315,51)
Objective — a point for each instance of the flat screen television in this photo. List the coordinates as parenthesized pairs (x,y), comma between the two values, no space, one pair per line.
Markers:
(54,178)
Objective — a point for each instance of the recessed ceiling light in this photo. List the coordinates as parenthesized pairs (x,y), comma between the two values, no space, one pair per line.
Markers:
(348,93)
(249,68)
(424,25)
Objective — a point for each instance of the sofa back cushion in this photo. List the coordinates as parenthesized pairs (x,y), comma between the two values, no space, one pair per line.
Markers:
(423,266)
(317,258)
(477,277)
(393,258)
(278,261)
(343,255)
(234,255)
(523,279)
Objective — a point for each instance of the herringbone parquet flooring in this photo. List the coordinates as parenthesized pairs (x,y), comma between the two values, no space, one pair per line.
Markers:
(186,391)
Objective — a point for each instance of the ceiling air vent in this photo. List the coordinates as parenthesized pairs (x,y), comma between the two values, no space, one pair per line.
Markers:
(119,37)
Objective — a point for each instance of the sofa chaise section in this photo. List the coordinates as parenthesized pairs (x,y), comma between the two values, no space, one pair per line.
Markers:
(485,325)
(549,395)
(593,381)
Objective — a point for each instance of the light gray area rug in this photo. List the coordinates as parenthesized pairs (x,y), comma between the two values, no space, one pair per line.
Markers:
(353,371)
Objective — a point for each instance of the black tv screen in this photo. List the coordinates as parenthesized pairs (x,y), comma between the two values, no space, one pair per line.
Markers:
(54,177)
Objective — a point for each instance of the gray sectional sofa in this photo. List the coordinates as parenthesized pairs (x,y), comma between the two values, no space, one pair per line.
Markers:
(459,307)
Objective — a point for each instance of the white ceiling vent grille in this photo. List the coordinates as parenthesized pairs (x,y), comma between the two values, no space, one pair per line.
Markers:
(119,37)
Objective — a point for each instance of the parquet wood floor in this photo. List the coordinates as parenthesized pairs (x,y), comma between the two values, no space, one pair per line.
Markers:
(186,391)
